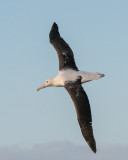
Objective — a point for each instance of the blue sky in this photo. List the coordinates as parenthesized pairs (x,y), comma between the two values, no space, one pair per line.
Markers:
(97,32)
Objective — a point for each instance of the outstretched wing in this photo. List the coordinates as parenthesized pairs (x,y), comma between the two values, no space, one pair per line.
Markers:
(65,54)
(83,111)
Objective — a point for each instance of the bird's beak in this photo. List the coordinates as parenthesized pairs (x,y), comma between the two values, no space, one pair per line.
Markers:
(43,86)
(102,75)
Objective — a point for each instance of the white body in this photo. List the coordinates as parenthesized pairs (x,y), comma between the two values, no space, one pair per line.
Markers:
(72,75)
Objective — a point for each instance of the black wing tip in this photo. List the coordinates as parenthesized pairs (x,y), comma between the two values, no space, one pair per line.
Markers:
(54,33)
(87,132)
(92,145)
(54,26)
(94,150)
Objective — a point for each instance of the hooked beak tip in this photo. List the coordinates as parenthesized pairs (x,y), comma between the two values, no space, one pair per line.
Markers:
(38,89)
(43,86)
(102,75)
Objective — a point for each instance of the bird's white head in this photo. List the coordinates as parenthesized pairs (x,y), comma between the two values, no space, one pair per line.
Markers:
(47,83)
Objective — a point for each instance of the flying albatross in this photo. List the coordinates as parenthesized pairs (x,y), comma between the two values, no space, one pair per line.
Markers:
(71,78)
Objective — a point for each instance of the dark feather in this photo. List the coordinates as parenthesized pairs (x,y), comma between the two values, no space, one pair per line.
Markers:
(65,54)
(83,110)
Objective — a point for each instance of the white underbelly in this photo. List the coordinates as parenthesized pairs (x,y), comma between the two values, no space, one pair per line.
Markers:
(72,75)
(67,75)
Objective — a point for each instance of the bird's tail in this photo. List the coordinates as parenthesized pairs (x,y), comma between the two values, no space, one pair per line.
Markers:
(54,33)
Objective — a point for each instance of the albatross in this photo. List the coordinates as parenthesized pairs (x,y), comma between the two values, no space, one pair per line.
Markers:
(71,78)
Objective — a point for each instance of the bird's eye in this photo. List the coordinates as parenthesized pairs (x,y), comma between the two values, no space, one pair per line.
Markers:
(46,81)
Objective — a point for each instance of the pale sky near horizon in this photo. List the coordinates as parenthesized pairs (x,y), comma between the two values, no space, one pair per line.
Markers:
(97,32)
